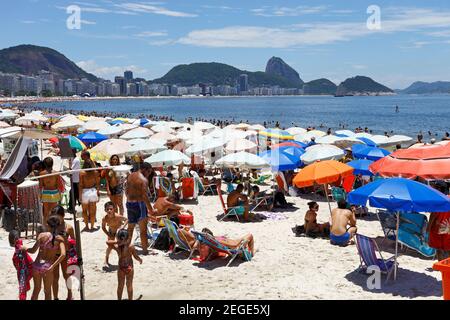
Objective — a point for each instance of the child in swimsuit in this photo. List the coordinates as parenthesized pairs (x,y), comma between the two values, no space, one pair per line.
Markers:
(114,222)
(126,252)
(23,263)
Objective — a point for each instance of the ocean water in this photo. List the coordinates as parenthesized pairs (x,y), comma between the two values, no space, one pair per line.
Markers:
(417,113)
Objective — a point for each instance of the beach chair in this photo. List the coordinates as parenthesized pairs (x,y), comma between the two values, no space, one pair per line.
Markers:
(281,182)
(189,189)
(173,234)
(261,179)
(413,235)
(388,223)
(210,241)
(227,212)
(367,248)
(162,187)
(203,189)
(338,194)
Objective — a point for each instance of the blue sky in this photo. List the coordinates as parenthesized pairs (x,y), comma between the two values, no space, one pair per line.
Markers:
(320,39)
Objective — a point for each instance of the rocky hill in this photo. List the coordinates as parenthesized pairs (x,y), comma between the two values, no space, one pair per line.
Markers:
(276,66)
(361,85)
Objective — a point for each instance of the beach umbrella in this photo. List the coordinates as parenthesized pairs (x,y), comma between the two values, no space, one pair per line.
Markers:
(92,137)
(127,126)
(399,139)
(203,126)
(164,136)
(322,152)
(297,144)
(361,167)
(292,150)
(296,130)
(400,195)
(276,134)
(162,128)
(205,146)
(242,126)
(363,135)
(346,133)
(68,123)
(114,122)
(145,147)
(306,137)
(328,139)
(111,147)
(256,127)
(322,172)
(174,124)
(380,140)
(345,142)
(366,152)
(138,133)
(141,122)
(367,141)
(281,161)
(74,142)
(83,118)
(4,125)
(242,160)
(8,114)
(110,131)
(29,118)
(431,162)
(238,145)
(189,134)
(95,125)
(168,158)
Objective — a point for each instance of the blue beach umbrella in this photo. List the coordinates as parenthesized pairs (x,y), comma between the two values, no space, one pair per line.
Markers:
(281,161)
(400,195)
(367,141)
(361,151)
(142,122)
(361,167)
(114,122)
(92,137)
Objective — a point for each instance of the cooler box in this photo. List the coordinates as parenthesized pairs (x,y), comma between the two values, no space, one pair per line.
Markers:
(444,267)
(186,219)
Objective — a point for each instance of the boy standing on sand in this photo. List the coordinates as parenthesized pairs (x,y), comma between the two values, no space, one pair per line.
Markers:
(126,252)
(114,222)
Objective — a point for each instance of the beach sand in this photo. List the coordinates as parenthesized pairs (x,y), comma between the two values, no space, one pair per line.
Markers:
(284,267)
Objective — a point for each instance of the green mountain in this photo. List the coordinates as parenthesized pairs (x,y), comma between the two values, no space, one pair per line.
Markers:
(220,74)
(361,85)
(439,87)
(319,87)
(29,60)
(276,66)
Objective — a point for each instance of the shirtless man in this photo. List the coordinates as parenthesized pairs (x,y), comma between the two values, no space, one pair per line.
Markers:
(138,205)
(165,206)
(114,222)
(64,230)
(126,252)
(343,225)
(239,200)
(50,194)
(89,191)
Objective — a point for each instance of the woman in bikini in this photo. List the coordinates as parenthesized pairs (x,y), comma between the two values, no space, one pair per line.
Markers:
(50,195)
(311,225)
(89,191)
(50,245)
(64,230)
(114,185)
(126,252)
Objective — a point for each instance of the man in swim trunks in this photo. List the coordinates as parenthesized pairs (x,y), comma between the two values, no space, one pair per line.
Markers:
(138,203)
(114,222)
(239,200)
(50,194)
(343,225)
(126,252)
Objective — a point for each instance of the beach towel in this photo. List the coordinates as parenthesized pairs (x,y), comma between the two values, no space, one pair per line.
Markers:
(24,265)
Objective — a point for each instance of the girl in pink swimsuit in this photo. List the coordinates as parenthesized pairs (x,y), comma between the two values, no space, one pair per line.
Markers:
(49,245)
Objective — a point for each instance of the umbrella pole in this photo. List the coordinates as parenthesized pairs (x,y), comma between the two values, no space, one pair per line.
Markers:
(326,196)
(396,247)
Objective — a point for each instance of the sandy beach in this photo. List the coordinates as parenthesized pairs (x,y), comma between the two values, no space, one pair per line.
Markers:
(284,267)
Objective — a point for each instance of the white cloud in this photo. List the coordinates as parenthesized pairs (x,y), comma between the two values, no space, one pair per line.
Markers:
(91,66)
(147,8)
(149,34)
(286,11)
(88,22)
(27,21)
(398,20)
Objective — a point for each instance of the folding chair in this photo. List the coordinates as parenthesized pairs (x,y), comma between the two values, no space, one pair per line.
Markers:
(388,223)
(183,244)
(412,233)
(210,241)
(338,194)
(367,248)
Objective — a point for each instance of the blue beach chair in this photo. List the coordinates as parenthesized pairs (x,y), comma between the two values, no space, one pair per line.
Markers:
(173,234)
(413,235)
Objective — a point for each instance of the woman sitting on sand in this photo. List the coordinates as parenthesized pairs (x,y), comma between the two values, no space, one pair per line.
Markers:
(311,225)
(114,185)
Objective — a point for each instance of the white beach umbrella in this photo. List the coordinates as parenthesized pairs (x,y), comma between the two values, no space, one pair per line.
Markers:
(257,127)
(127,126)
(399,139)
(242,126)
(112,146)
(347,142)
(68,123)
(189,135)
(329,139)
(146,147)
(296,130)
(203,126)
(95,125)
(4,125)
(306,137)
(380,140)
(238,145)
(164,136)
(162,128)
(174,124)
(347,133)
(30,118)
(363,135)
(138,133)
(8,114)
(322,152)
(242,160)
(110,131)
(168,158)
(205,146)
